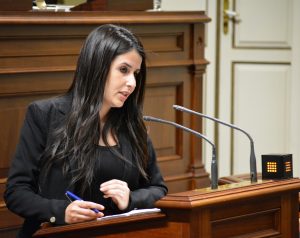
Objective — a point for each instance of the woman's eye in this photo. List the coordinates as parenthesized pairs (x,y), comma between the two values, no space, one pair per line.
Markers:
(124,70)
(136,73)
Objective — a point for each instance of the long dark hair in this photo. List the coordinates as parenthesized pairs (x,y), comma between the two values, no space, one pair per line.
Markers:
(75,139)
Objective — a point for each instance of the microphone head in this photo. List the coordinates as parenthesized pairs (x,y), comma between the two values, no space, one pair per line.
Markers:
(147,118)
(177,107)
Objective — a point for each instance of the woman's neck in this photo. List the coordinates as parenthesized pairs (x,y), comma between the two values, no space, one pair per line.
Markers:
(110,138)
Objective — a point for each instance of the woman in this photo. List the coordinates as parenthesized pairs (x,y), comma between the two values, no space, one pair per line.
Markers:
(91,141)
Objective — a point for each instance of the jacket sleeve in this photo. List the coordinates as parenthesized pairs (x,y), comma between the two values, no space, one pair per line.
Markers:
(21,195)
(151,190)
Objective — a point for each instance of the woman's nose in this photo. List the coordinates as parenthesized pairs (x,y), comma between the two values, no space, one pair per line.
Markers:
(131,81)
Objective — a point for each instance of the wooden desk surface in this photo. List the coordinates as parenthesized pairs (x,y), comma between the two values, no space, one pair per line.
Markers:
(126,221)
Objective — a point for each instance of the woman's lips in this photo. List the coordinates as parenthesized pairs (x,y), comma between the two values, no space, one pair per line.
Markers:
(124,95)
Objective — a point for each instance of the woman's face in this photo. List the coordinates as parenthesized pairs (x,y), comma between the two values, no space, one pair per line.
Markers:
(121,80)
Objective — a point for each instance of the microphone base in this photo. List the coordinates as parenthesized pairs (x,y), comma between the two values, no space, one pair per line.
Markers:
(233,185)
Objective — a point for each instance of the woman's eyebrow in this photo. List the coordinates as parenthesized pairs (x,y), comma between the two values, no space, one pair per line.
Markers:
(130,66)
(127,64)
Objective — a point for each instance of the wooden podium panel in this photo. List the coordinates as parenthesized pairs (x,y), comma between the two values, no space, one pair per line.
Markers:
(266,209)
(15,5)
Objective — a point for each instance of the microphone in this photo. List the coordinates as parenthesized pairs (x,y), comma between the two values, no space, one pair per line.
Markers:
(253,172)
(214,165)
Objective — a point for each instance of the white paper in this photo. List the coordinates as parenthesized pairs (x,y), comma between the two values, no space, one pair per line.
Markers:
(131,213)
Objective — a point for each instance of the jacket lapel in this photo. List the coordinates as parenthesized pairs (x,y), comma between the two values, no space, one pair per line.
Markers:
(63,105)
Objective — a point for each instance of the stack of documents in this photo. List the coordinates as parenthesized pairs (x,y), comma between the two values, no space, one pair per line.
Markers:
(131,213)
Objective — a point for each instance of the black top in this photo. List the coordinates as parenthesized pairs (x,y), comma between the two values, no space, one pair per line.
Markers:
(105,160)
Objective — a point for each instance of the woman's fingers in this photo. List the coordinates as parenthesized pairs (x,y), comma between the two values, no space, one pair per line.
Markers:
(113,182)
(118,191)
(89,205)
(113,187)
(79,211)
(80,218)
(115,193)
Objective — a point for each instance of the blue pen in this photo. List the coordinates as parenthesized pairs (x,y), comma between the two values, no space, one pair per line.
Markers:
(71,196)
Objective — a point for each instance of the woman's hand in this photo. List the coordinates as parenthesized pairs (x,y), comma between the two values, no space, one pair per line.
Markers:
(118,191)
(80,211)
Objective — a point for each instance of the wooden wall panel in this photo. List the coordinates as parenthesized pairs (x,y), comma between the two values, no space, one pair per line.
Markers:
(38,55)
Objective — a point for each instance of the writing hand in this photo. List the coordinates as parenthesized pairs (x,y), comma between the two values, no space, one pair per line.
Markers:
(118,191)
(80,211)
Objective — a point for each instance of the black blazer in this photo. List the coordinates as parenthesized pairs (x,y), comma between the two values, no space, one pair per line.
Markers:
(40,202)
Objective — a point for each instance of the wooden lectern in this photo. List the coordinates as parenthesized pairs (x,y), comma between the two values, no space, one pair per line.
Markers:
(264,209)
